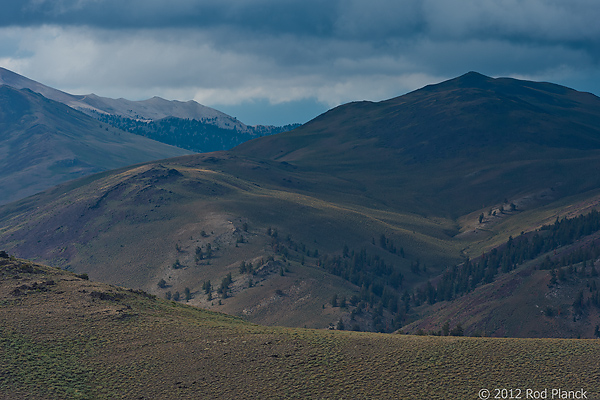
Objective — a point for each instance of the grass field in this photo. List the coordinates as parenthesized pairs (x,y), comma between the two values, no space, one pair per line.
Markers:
(64,337)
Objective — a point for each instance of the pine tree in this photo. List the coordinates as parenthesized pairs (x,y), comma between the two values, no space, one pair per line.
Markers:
(446,328)
(457,331)
(334,300)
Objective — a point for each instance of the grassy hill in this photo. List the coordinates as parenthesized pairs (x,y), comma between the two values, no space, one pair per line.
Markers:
(366,202)
(45,143)
(131,226)
(66,337)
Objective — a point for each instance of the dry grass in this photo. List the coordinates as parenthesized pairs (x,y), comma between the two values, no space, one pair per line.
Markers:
(63,337)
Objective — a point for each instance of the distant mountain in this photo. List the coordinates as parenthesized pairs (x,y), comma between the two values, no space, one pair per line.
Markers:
(188,125)
(45,143)
(151,109)
(342,221)
(155,108)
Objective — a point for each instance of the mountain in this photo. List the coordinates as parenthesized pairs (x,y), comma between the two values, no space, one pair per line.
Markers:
(151,109)
(188,125)
(490,138)
(148,110)
(66,337)
(45,143)
(340,222)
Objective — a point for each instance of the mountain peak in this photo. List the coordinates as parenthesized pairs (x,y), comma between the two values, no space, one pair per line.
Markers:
(473,75)
(471,79)
(461,115)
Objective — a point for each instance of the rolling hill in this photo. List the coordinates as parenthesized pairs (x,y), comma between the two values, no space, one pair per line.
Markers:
(336,222)
(66,337)
(45,143)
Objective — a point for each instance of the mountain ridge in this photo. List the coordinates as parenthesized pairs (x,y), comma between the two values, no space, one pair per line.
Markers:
(367,201)
(187,125)
(150,109)
(393,121)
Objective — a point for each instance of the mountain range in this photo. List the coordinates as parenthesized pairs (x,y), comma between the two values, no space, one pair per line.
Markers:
(350,220)
(140,111)
(45,143)
(49,136)
(151,109)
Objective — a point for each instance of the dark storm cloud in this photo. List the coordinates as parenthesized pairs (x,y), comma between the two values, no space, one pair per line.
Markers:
(573,20)
(387,26)
(249,51)
(272,16)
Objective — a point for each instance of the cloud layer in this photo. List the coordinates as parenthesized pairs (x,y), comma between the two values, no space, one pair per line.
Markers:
(235,52)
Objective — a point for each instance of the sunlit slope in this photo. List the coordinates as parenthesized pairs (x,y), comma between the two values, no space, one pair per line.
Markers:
(131,226)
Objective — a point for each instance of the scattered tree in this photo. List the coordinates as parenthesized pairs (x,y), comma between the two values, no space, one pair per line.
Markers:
(446,328)
(457,331)
(199,254)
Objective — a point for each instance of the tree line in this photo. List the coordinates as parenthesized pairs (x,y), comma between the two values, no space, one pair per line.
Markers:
(464,278)
(191,134)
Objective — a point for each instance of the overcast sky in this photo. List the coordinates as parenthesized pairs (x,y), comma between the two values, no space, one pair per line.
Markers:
(278,61)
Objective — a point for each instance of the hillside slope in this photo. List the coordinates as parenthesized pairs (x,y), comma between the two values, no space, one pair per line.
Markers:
(354,205)
(450,148)
(540,284)
(65,337)
(45,143)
